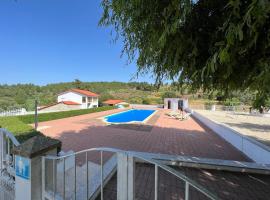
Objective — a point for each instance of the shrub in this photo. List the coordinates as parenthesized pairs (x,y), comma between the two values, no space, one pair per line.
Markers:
(146,101)
(232,102)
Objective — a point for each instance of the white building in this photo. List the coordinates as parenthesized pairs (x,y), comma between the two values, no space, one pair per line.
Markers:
(84,98)
(175,103)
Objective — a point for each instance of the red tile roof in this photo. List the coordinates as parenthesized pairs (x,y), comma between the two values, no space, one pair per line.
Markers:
(83,92)
(70,103)
(64,102)
(113,101)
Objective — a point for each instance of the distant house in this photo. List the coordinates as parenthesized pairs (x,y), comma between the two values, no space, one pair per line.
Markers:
(73,99)
(84,98)
(114,102)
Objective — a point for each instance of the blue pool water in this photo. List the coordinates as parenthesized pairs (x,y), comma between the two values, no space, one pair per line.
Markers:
(129,116)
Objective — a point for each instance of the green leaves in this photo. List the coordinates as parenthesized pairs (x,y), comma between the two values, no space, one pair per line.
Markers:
(212,44)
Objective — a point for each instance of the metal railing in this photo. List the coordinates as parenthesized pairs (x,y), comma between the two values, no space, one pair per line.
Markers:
(157,165)
(7,165)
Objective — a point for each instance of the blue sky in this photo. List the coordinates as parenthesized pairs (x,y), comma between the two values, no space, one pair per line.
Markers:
(49,41)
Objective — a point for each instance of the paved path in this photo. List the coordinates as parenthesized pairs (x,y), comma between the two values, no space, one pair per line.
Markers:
(168,136)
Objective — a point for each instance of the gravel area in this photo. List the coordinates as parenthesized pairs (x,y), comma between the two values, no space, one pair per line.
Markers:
(256,127)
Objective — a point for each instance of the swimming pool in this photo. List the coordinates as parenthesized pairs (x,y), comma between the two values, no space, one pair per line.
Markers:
(134,115)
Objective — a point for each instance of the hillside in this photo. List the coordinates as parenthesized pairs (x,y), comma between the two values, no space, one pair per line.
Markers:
(23,95)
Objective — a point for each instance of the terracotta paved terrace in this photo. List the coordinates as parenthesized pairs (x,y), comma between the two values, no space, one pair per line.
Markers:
(162,134)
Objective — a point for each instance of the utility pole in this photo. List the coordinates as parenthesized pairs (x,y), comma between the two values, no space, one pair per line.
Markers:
(36,115)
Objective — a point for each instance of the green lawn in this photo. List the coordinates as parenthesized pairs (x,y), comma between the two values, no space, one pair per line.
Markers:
(21,129)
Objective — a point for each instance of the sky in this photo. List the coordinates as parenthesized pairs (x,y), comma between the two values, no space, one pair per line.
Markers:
(50,41)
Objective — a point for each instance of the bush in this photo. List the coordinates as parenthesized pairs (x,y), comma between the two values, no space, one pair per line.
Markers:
(30,119)
(169,94)
(232,102)
(146,101)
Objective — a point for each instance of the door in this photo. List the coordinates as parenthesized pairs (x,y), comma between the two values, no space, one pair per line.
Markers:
(169,104)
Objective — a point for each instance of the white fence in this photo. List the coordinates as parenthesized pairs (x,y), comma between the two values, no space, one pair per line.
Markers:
(20,111)
(220,108)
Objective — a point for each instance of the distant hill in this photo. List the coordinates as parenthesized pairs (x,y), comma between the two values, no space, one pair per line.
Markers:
(24,95)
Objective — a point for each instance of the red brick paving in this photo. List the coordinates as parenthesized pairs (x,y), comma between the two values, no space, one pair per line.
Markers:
(168,136)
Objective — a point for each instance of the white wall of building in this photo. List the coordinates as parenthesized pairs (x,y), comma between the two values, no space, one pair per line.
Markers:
(174,103)
(70,96)
(75,97)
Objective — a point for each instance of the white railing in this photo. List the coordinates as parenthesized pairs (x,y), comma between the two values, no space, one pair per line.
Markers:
(15,112)
(52,181)
(7,165)
(239,108)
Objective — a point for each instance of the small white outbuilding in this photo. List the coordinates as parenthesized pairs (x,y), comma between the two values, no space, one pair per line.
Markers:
(175,103)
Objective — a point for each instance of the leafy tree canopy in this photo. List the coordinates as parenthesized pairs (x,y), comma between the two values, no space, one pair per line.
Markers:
(210,44)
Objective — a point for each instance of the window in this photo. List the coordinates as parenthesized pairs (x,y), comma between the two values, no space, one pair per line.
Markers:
(84,99)
(89,99)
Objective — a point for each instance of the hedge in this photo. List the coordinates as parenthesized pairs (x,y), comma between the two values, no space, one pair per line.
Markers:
(30,119)
(21,129)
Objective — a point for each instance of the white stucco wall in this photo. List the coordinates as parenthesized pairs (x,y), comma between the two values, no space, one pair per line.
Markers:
(174,103)
(255,150)
(70,96)
(75,97)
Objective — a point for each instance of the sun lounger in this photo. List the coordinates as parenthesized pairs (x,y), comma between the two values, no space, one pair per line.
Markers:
(173,114)
(184,117)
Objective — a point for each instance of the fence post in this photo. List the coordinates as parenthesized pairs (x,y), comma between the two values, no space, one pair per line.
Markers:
(125,177)
(36,115)
(28,166)
(1,148)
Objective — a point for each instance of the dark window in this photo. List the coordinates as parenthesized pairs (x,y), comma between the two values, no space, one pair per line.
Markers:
(83,99)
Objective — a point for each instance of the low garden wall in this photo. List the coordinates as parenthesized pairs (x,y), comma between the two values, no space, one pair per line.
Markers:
(255,150)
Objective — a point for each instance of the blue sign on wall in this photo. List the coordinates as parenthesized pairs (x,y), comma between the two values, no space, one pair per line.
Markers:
(22,166)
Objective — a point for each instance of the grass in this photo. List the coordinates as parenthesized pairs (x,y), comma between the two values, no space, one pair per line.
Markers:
(30,119)
(21,129)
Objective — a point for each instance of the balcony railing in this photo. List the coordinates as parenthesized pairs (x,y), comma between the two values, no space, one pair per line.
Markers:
(56,171)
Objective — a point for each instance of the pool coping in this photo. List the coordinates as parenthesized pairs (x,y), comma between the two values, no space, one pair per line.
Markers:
(131,122)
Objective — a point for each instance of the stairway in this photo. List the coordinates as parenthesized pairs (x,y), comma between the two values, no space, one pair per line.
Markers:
(94,172)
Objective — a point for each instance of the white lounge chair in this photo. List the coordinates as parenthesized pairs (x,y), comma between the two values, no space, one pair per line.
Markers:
(183,117)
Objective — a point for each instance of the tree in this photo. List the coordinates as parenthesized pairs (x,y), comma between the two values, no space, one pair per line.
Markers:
(215,45)
(77,84)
